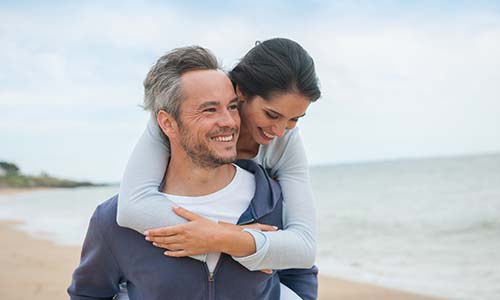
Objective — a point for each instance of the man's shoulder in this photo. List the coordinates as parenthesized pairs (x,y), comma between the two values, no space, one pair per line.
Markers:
(105,213)
(267,190)
(253,168)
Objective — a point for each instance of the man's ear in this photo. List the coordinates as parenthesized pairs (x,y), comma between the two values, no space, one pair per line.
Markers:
(167,123)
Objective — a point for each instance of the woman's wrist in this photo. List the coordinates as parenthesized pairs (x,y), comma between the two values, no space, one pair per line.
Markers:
(236,242)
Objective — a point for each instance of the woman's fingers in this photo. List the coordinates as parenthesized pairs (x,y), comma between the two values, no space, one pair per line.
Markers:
(170,247)
(200,235)
(186,214)
(265,227)
(165,239)
(267,271)
(180,253)
(164,231)
(261,227)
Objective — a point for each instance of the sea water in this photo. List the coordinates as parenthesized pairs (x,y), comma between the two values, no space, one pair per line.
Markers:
(430,226)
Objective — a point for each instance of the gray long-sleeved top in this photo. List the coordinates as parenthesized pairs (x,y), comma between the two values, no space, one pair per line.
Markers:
(142,206)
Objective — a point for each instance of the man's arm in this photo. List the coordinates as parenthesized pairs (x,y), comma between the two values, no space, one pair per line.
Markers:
(304,282)
(98,275)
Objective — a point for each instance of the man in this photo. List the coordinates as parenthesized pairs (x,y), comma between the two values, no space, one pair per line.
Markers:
(201,121)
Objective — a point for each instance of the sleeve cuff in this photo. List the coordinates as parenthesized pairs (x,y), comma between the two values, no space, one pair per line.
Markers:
(261,245)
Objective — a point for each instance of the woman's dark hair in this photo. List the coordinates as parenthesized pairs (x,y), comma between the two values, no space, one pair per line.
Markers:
(276,66)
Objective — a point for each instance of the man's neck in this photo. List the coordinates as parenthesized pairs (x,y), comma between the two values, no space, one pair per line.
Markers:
(186,178)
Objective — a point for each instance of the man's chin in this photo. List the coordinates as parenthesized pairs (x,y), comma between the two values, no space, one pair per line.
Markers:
(215,161)
(226,160)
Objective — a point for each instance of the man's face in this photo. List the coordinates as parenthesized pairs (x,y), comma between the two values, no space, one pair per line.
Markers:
(209,121)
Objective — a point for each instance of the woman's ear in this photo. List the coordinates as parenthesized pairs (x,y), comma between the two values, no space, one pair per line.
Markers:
(239,94)
(167,123)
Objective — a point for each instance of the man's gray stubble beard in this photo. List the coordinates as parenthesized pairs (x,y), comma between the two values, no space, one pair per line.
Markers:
(199,153)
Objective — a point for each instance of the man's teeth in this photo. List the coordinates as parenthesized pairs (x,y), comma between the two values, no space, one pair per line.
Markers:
(226,138)
(268,135)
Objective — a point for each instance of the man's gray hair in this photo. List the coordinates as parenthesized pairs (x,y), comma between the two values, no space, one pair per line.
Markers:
(162,86)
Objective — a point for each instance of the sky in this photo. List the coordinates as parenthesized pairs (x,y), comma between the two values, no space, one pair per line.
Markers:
(400,79)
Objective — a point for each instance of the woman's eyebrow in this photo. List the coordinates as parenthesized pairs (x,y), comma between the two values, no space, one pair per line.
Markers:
(281,115)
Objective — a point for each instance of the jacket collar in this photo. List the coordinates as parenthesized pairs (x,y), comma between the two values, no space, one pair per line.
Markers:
(267,193)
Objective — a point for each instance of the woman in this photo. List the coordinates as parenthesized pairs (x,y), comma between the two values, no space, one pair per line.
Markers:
(275,83)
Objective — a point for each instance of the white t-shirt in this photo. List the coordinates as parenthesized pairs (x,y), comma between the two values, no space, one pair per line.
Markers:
(226,205)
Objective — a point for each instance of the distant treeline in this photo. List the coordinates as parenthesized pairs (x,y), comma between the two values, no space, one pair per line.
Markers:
(11,176)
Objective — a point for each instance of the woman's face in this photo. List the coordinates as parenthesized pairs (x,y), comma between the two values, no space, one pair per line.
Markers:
(266,120)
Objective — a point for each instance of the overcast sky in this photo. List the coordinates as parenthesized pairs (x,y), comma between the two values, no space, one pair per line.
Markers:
(399,78)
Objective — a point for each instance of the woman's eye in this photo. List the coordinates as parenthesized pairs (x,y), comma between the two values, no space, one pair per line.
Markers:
(271,115)
(233,107)
(209,110)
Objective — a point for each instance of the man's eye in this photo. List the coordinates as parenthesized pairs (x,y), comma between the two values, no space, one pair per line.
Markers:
(212,109)
(233,107)
(271,115)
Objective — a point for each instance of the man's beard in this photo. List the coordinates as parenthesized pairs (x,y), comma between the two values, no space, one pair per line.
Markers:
(200,153)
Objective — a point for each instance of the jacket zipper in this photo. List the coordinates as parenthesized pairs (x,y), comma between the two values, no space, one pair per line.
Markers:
(211,286)
(211,278)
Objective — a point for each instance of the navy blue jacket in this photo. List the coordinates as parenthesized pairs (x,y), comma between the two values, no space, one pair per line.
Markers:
(112,254)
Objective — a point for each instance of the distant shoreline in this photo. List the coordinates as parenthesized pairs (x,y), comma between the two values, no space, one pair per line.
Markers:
(12,177)
(5,191)
(36,182)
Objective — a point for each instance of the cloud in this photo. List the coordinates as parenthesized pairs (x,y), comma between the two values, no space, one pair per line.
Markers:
(396,83)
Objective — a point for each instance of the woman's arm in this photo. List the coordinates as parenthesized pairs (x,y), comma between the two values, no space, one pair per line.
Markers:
(287,159)
(140,204)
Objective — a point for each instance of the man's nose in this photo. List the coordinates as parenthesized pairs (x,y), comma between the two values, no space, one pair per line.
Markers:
(227,119)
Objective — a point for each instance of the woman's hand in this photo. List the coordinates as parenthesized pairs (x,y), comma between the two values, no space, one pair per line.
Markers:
(201,235)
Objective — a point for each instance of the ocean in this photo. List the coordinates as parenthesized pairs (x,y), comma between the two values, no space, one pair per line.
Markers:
(430,226)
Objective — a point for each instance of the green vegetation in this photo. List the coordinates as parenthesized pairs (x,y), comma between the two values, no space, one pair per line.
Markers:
(10,176)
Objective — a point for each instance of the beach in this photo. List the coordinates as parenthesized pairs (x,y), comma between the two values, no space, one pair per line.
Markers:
(39,269)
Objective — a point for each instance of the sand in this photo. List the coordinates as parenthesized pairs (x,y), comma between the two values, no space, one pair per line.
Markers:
(38,269)
(33,269)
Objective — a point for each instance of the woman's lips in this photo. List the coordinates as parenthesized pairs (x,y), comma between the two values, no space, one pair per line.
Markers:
(266,135)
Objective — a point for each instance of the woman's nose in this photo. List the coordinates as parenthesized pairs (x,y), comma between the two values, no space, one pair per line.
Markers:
(279,129)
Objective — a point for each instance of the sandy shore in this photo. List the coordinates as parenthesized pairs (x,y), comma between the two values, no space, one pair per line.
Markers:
(39,269)
(12,191)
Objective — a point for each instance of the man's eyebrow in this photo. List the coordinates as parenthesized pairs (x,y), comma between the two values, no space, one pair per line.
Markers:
(207,104)
(275,112)
(215,103)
